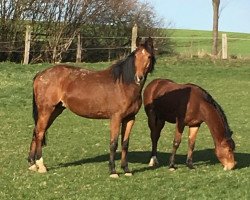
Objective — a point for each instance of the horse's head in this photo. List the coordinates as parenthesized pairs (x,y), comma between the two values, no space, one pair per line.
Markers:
(144,59)
(225,153)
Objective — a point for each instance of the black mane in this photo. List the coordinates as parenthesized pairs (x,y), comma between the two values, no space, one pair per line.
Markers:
(210,99)
(124,70)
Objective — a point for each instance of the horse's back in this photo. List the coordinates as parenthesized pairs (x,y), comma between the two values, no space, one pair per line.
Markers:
(58,72)
(157,88)
(163,87)
(170,100)
(49,84)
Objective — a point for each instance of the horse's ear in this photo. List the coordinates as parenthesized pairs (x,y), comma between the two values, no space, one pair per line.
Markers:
(149,43)
(138,41)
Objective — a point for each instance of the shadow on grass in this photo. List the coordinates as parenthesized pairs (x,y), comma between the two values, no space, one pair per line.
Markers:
(201,157)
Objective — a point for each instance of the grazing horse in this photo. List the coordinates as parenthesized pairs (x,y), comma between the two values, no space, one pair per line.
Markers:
(187,105)
(113,93)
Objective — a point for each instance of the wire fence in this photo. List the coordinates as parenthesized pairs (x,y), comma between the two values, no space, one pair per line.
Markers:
(188,45)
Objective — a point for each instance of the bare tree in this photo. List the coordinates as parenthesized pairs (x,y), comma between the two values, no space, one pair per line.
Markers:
(56,23)
(11,16)
(216,5)
(61,20)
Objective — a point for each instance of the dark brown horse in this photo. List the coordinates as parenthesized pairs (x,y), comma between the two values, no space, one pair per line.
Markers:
(113,93)
(187,105)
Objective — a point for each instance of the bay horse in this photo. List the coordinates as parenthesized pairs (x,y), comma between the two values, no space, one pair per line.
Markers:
(113,93)
(186,105)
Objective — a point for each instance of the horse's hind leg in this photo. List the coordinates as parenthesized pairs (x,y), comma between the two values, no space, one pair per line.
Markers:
(44,121)
(31,157)
(191,143)
(37,140)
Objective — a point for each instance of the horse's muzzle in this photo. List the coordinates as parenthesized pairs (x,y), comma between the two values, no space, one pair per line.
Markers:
(139,79)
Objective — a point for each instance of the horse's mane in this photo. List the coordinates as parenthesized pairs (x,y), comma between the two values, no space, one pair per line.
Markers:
(124,69)
(210,99)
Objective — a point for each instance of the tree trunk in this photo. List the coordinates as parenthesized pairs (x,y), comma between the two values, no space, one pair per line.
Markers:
(216,5)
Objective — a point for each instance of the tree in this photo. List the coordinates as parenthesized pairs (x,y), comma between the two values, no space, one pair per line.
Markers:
(56,23)
(216,5)
(61,20)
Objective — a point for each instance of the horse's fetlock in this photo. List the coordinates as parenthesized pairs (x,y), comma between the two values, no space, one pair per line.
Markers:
(125,144)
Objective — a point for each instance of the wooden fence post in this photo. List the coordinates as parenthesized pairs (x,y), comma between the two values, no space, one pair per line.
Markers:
(27,45)
(224,46)
(134,36)
(79,49)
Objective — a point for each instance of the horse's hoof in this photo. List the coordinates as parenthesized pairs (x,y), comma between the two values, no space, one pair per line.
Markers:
(172,169)
(42,169)
(33,168)
(114,176)
(191,167)
(153,162)
(128,174)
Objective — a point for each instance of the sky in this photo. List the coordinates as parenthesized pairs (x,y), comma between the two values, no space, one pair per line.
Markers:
(198,14)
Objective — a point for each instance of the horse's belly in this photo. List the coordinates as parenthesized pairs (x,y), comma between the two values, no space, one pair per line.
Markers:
(89,108)
(92,114)
(171,118)
(167,115)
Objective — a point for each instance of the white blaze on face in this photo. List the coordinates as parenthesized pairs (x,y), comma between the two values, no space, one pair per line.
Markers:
(141,66)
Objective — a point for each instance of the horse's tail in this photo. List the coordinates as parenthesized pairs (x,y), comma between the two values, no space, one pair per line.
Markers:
(35,117)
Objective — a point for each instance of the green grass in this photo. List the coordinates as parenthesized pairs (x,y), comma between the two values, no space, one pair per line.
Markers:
(193,42)
(78,148)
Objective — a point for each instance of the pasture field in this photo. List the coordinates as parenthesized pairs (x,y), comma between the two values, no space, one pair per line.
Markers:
(78,149)
(193,42)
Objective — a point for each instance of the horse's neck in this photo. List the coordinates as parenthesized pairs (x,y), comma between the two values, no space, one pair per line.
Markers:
(127,87)
(216,125)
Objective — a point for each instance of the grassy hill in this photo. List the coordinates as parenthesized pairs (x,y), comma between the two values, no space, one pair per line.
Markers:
(78,149)
(193,42)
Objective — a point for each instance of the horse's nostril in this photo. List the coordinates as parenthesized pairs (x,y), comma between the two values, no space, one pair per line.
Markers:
(139,79)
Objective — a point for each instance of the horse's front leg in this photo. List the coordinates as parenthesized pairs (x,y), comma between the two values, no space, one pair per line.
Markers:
(115,124)
(127,125)
(155,126)
(176,143)
(191,143)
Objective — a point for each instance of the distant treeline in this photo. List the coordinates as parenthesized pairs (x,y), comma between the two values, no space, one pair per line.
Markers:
(104,26)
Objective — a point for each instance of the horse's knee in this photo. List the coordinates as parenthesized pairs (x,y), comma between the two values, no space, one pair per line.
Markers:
(176,143)
(113,146)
